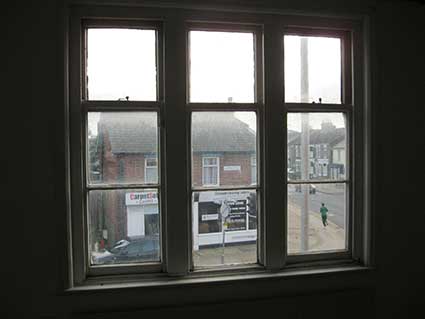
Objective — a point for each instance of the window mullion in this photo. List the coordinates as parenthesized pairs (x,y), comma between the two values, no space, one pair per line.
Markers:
(274,153)
(358,155)
(175,166)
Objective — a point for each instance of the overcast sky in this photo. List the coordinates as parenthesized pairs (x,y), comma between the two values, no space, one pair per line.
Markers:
(121,62)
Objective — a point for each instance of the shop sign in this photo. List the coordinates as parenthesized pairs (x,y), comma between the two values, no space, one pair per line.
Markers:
(142,198)
(206,217)
(232,168)
(237,215)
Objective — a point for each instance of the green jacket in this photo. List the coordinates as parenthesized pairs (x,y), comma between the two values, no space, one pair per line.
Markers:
(323,211)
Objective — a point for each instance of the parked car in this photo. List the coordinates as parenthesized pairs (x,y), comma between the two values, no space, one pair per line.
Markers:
(145,248)
(312,188)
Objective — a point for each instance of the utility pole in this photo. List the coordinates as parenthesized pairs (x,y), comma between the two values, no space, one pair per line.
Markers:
(305,144)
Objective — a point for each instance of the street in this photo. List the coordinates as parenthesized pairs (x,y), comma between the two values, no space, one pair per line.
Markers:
(332,197)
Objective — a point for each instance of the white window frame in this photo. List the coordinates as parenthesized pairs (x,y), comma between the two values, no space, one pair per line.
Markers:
(174,123)
(217,166)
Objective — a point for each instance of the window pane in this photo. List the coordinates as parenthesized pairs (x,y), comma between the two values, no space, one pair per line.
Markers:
(121,63)
(221,66)
(118,144)
(210,175)
(310,208)
(312,69)
(253,170)
(323,137)
(124,226)
(151,175)
(151,170)
(222,146)
(224,228)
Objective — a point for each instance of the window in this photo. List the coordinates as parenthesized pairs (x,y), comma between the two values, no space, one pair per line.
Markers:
(122,134)
(315,202)
(151,170)
(307,60)
(223,62)
(223,71)
(241,146)
(210,171)
(128,71)
(253,170)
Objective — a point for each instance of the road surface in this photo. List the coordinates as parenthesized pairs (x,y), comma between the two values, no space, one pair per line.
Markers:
(334,201)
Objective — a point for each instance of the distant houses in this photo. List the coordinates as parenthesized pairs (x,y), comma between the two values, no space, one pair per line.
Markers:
(327,153)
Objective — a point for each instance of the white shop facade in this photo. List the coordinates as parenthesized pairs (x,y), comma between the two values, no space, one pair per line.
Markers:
(210,211)
(213,211)
(142,213)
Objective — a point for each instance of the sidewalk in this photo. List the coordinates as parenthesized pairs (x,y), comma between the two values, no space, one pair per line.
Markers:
(321,238)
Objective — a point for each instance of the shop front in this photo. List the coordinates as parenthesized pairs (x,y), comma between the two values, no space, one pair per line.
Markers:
(224,216)
(142,214)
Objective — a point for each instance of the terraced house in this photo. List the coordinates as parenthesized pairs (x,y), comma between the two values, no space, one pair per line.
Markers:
(326,152)
(124,148)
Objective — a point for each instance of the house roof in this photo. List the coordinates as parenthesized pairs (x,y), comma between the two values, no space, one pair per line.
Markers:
(319,136)
(221,132)
(129,132)
(218,132)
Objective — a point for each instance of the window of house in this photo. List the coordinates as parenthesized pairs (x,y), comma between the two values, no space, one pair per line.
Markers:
(151,170)
(210,171)
(253,170)
(220,153)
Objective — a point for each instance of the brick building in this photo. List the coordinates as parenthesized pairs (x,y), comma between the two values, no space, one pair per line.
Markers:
(125,151)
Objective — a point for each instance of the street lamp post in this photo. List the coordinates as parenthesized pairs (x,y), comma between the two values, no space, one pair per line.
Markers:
(305,143)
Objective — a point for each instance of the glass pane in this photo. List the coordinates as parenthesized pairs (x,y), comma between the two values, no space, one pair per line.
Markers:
(121,63)
(221,66)
(118,144)
(312,69)
(222,146)
(224,228)
(253,170)
(151,170)
(317,219)
(323,137)
(124,226)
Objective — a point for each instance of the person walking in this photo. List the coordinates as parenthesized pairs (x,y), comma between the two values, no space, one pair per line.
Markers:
(324,213)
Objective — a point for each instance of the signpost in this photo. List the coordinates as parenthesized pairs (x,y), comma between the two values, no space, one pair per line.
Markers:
(224,213)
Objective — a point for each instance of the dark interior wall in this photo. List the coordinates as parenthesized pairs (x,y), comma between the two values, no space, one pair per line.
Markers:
(33,225)
(400,140)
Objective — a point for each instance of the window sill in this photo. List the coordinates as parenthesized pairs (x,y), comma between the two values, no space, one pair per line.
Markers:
(204,287)
(211,277)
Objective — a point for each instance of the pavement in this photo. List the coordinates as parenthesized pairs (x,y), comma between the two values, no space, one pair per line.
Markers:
(329,238)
